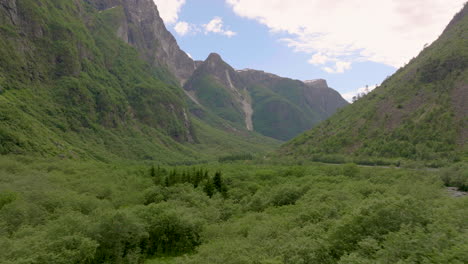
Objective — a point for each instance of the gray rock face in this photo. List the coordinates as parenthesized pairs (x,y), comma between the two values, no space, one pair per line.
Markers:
(322,97)
(144,29)
(12,12)
(256,76)
(317,83)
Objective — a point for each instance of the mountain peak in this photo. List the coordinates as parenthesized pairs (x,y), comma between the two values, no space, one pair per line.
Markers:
(317,83)
(215,57)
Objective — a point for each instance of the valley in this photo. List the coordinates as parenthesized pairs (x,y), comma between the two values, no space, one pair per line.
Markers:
(116,146)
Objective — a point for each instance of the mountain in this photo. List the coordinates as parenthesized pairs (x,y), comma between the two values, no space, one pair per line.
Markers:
(418,113)
(101,80)
(105,79)
(284,108)
(274,106)
(141,26)
(215,86)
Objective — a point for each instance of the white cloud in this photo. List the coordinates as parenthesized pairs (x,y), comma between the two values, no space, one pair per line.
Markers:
(319,59)
(342,66)
(169,9)
(384,31)
(182,28)
(339,67)
(190,55)
(349,96)
(216,25)
(328,69)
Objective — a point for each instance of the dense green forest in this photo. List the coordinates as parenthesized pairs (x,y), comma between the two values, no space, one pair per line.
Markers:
(55,211)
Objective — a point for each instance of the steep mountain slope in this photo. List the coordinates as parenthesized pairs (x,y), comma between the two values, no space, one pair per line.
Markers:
(71,85)
(216,88)
(283,107)
(254,100)
(142,27)
(420,112)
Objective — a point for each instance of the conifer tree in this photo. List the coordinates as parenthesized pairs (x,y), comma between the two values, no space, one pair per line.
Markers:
(217,181)
(209,188)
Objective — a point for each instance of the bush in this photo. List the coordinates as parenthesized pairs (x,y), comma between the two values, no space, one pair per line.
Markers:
(350,170)
(285,195)
(456,176)
(172,231)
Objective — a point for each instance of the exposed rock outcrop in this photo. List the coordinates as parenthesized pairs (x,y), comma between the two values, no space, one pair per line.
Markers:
(145,30)
(11,10)
(322,97)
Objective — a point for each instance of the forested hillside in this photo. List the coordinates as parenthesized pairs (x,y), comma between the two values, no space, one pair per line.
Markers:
(419,113)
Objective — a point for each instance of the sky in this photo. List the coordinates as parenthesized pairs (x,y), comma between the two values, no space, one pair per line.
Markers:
(350,43)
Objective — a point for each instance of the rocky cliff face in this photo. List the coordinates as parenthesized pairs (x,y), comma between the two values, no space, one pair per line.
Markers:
(11,12)
(144,29)
(323,98)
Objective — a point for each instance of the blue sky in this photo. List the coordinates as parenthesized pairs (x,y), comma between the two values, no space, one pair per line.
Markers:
(348,48)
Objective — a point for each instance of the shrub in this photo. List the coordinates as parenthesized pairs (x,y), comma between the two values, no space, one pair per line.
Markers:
(172,231)
(350,170)
(456,176)
(285,195)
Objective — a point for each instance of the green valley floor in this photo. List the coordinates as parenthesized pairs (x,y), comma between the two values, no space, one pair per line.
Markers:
(252,211)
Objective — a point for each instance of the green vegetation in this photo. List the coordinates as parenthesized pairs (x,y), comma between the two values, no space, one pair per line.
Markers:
(276,115)
(101,160)
(55,211)
(417,114)
(64,92)
(456,176)
(236,157)
(216,98)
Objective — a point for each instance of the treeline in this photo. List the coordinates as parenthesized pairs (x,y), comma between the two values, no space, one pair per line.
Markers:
(198,177)
(235,157)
